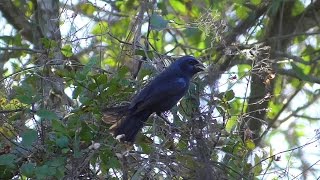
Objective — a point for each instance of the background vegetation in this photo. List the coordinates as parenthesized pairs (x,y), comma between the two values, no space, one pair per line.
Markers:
(67,66)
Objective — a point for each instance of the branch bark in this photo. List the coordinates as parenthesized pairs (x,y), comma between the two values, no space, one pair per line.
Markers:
(16,17)
(280,25)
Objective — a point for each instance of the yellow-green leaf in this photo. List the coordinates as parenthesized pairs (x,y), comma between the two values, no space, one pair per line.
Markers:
(87,8)
(231,123)
(178,6)
(67,50)
(297,9)
(255,2)
(100,28)
(242,12)
(250,144)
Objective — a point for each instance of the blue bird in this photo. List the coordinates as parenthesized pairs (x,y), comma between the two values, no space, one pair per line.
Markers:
(158,96)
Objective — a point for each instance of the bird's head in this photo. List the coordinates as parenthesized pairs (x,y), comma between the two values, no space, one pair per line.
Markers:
(189,65)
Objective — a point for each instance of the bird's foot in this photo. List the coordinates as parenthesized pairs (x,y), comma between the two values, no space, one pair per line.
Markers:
(166,113)
(172,127)
(164,117)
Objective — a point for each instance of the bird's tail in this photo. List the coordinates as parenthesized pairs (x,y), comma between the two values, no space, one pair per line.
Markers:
(126,129)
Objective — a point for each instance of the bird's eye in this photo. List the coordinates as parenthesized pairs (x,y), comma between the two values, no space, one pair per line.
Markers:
(192,62)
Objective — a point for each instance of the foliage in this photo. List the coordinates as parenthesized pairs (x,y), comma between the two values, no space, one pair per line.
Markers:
(65,69)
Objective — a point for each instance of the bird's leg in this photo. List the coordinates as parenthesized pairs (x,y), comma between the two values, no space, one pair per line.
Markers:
(163,116)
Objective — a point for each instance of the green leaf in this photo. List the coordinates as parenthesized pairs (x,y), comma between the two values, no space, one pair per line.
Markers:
(101,79)
(42,172)
(157,22)
(7,159)
(7,39)
(242,12)
(65,150)
(146,148)
(86,132)
(274,109)
(48,43)
(92,63)
(29,137)
(162,5)
(77,91)
(182,145)
(56,162)
(67,50)
(57,126)
(258,166)
(187,161)
(105,156)
(26,99)
(231,123)
(57,167)
(62,141)
(12,40)
(113,162)
(46,114)
(299,72)
(28,169)
(25,92)
(92,86)
(194,34)
(123,71)
(229,95)
(297,9)
(85,100)
(220,110)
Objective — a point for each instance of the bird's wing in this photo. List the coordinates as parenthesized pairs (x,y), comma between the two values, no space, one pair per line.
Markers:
(159,91)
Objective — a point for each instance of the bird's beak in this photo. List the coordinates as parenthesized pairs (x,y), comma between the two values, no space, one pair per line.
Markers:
(199,67)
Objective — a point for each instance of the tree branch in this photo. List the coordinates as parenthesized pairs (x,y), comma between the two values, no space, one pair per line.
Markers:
(21,49)
(292,73)
(16,17)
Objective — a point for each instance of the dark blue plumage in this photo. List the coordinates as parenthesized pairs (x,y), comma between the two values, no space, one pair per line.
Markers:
(160,95)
